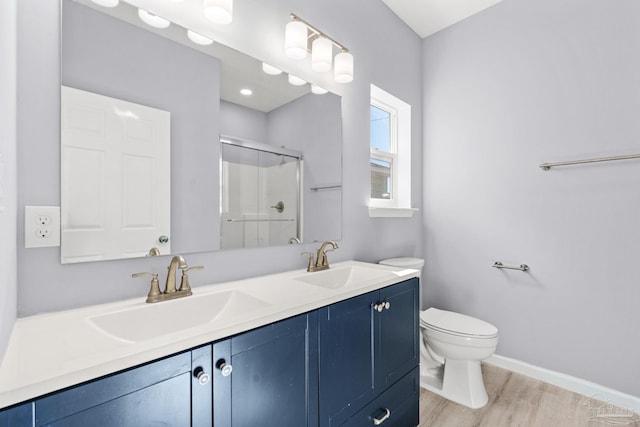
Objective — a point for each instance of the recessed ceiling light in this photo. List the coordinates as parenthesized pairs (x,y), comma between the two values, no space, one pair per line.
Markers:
(246,92)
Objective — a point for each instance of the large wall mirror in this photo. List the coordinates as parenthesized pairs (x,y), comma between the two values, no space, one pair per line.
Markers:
(143,162)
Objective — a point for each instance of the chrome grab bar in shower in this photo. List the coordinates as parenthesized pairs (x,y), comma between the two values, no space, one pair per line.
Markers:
(521,267)
(547,166)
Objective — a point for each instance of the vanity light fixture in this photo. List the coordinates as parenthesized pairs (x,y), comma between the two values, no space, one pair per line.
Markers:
(270,69)
(296,81)
(219,11)
(198,38)
(321,55)
(343,71)
(153,20)
(302,37)
(106,3)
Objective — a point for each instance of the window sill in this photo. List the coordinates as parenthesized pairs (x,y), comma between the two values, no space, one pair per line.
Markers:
(377,212)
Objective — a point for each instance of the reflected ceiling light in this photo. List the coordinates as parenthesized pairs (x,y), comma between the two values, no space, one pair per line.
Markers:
(298,34)
(296,81)
(153,20)
(219,11)
(176,1)
(318,90)
(343,71)
(198,38)
(106,3)
(270,69)
(246,92)
(321,55)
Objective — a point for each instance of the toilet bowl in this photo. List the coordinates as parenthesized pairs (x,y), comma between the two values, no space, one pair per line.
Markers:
(452,346)
(452,349)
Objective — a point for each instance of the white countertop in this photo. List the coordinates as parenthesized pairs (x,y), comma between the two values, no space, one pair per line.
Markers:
(52,351)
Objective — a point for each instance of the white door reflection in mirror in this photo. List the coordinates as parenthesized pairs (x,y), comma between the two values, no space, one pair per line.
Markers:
(116,183)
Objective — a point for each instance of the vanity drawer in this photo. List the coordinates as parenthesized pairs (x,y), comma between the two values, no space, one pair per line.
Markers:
(400,404)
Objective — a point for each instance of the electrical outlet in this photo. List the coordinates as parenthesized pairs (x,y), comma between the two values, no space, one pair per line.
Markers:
(41,226)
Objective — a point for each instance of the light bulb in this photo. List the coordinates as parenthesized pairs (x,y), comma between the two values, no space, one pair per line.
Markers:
(343,70)
(321,55)
(198,38)
(295,40)
(153,20)
(219,11)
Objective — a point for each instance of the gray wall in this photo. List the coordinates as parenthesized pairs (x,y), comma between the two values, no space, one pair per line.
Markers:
(312,124)
(7,171)
(45,285)
(522,83)
(243,122)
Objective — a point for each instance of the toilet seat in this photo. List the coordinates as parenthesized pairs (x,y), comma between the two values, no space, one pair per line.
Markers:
(457,324)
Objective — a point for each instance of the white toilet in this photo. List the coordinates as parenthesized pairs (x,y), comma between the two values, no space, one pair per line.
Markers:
(452,347)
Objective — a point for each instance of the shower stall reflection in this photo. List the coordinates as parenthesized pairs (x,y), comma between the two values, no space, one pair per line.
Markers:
(261,194)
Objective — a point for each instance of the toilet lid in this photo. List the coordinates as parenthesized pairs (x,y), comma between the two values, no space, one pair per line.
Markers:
(456,323)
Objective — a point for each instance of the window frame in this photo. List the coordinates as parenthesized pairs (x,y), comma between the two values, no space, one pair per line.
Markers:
(387,156)
(399,205)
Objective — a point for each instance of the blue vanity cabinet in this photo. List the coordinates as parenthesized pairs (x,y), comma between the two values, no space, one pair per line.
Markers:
(268,377)
(18,416)
(368,356)
(172,391)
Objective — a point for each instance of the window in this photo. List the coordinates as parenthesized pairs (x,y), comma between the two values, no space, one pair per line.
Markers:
(390,155)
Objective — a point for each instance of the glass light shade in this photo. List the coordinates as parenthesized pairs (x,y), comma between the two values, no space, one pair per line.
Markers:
(321,55)
(106,3)
(343,70)
(153,20)
(270,69)
(295,40)
(198,38)
(296,81)
(318,90)
(219,11)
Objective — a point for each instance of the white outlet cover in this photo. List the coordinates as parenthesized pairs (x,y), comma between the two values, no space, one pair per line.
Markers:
(38,233)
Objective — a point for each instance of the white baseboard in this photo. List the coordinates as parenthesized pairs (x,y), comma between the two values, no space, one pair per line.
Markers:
(577,385)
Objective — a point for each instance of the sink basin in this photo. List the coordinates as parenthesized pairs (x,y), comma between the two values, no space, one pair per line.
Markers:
(349,276)
(152,320)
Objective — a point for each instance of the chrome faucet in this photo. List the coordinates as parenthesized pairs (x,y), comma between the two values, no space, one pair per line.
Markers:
(321,262)
(170,291)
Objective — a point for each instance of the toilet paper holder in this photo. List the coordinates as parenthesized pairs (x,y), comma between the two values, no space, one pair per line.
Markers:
(521,267)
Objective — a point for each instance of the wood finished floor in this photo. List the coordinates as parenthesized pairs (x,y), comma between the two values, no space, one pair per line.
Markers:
(518,400)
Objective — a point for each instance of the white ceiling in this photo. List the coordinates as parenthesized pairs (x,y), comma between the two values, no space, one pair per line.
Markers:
(426,17)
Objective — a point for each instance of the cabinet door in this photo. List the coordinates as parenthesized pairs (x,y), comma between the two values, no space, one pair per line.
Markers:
(273,381)
(346,331)
(18,416)
(398,333)
(159,393)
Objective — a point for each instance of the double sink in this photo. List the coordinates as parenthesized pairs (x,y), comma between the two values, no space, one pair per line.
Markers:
(225,307)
